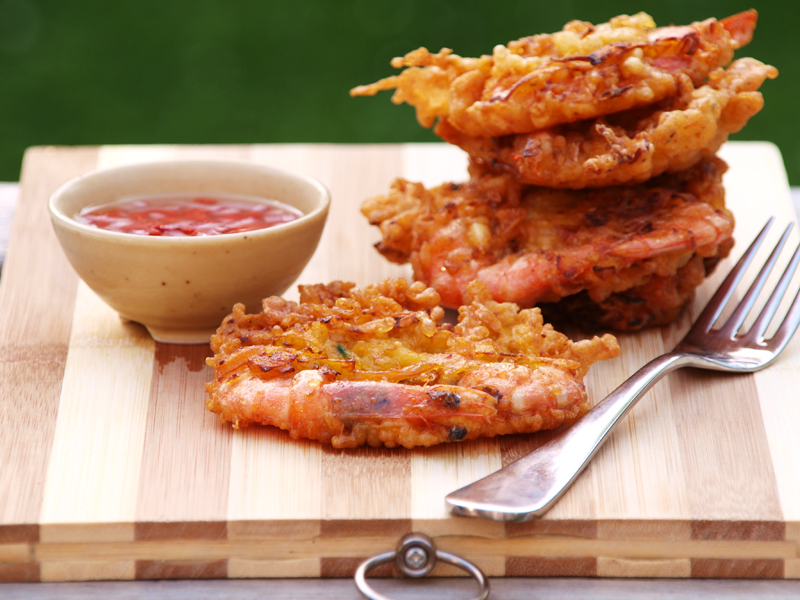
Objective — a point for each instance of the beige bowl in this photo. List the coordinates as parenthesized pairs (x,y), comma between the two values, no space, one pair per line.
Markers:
(181,288)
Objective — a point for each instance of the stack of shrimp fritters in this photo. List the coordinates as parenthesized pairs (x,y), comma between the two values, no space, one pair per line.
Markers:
(594,188)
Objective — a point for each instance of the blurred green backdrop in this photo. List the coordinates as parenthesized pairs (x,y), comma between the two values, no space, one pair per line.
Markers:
(244,71)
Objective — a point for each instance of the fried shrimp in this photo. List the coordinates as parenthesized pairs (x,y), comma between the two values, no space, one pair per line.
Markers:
(658,302)
(627,147)
(530,245)
(582,72)
(378,366)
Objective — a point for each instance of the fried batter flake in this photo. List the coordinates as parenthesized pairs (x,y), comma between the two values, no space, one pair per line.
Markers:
(582,72)
(378,365)
(532,244)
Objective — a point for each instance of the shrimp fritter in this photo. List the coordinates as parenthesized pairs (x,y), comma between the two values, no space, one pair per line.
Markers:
(379,366)
(531,244)
(628,147)
(658,302)
(582,72)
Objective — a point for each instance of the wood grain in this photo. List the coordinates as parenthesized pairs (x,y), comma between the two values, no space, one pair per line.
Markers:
(114,469)
(356,482)
(38,310)
(170,487)
(97,444)
(34,333)
(728,475)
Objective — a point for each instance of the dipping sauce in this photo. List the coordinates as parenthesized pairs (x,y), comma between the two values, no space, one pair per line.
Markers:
(186,215)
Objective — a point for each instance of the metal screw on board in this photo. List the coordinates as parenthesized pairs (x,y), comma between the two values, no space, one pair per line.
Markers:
(416,556)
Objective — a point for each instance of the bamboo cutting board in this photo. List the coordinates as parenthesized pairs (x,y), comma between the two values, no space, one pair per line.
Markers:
(111,468)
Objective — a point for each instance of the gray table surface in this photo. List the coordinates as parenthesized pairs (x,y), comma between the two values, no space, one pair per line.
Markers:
(511,588)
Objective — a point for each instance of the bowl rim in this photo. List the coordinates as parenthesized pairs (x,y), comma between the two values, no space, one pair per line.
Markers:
(65,220)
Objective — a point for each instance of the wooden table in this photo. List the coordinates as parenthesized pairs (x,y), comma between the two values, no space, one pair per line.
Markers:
(737,533)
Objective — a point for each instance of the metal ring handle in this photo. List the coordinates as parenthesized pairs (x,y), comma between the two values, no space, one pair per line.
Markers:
(416,555)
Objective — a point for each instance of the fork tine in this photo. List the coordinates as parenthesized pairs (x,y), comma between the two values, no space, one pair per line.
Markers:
(714,307)
(787,328)
(758,329)
(735,321)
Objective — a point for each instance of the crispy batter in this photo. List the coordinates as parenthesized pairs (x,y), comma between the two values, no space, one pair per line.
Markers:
(581,72)
(658,302)
(377,365)
(627,147)
(532,245)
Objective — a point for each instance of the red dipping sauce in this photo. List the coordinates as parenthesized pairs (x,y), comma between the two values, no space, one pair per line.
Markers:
(185,215)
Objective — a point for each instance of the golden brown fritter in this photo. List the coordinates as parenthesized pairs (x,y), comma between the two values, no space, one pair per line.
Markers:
(531,244)
(628,147)
(378,366)
(582,72)
(657,302)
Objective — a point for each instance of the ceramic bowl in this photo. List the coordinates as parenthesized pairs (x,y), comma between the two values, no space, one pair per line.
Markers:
(180,288)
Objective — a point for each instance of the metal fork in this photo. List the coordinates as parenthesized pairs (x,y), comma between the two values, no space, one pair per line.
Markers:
(530,486)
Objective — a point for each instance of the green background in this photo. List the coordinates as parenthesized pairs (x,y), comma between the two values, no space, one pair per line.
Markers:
(245,71)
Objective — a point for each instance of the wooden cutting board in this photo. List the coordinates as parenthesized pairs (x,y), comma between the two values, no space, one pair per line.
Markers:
(111,467)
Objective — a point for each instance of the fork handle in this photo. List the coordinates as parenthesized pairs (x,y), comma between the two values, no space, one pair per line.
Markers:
(530,486)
